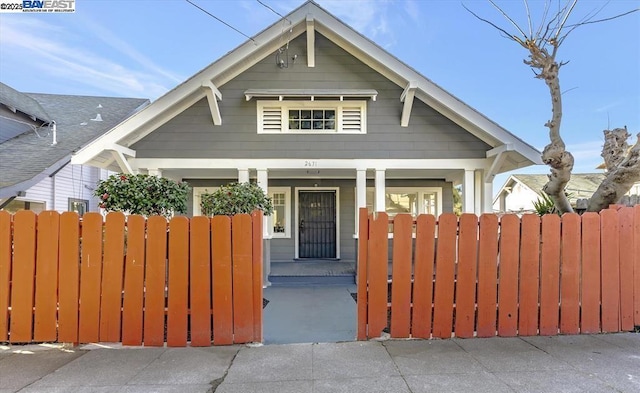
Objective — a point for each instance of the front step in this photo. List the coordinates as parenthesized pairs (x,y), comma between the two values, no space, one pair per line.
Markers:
(317,272)
(278,280)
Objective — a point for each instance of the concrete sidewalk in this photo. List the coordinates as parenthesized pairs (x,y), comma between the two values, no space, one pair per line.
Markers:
(589,363)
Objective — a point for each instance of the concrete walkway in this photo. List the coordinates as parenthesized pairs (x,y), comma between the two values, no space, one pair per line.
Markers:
(590,363)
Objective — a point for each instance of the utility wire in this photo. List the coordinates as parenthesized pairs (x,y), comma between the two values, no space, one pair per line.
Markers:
(274,11)
(218,19)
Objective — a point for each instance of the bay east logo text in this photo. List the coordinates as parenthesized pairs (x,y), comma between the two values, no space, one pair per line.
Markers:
(48,6)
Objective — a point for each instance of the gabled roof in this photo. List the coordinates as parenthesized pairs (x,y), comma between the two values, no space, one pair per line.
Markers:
(581,185)
(29,157)
(510,151)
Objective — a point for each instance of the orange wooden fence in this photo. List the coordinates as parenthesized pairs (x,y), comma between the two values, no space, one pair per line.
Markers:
(508,276)
(135,281)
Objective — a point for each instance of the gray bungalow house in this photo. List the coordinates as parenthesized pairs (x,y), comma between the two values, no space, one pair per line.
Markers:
(325,121)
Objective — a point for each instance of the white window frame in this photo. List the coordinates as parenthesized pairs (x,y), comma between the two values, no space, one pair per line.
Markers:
(287,212)
(197,192)
(338,106)
(412,190)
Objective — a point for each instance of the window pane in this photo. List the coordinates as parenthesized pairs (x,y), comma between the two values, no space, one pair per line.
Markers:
(330,114)
(294,125)
(330,125)
(318,114)
(401,203)
(430,203)
(305,114)
(318,125)
(294,114)
(279,212)
(305,124)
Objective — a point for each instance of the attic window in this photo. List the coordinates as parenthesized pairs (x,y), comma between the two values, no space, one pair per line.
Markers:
(311,94)
(312,117)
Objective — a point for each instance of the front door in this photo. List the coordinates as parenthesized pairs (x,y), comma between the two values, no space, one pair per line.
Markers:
(317,224)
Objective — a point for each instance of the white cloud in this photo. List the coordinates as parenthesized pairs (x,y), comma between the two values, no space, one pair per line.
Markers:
(52,53)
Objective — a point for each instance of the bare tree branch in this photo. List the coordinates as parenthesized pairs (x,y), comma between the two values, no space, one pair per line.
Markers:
(526,6)
(506,34)
(509,19)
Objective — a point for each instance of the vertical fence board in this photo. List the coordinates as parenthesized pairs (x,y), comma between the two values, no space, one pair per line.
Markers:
(200,283)
(155,281)
(590,283)
(445,276)
(625,216)
(6,242)
(508,281)
(423,276)
(636,265)
(178,282)
(22,275)
(610,270)
(256,247)
(46,303)
(132,307)
(112,278)
(529,275)
(90,278)
(221,280)
(488,276)
(378,274)
(69,277)
(570,275)
(550,275)
(363,244)
(401,276)
(242,278)
(466,277)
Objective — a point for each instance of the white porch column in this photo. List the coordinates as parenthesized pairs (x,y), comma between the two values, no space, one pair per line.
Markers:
(361,194)
(263,182)
(267,228)
(155,172)
(487,201)
(478,192)
(468,190)
(243,176)
(380,205)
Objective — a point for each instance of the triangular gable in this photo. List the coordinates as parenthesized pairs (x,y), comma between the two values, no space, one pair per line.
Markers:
(510,151)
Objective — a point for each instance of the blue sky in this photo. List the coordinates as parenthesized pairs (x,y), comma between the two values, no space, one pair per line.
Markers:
(144,48)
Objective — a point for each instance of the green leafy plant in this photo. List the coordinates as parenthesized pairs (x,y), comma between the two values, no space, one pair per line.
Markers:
(544,205)
(236,198)
(142,194)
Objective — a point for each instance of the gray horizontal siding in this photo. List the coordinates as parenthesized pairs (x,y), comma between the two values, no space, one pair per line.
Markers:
(193,135)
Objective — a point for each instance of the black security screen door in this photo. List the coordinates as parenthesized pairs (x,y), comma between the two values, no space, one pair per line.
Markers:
(317,224)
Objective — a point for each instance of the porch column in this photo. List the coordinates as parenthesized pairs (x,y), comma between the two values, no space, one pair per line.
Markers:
(243,175)
(155,172)
(267,227)
(478,192)
(468,190)
(487,200)
(380,205)
(361,194)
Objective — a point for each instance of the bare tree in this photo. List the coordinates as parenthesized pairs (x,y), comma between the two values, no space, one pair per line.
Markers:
(542,43)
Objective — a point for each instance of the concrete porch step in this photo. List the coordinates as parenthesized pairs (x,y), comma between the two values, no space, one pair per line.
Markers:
(312,272)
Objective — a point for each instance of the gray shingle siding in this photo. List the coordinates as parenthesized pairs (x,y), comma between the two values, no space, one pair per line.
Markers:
(193,135)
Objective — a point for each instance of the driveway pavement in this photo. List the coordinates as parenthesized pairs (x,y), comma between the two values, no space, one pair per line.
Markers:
(589,363)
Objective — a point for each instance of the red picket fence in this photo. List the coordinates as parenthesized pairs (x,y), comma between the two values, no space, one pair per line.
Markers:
(135,281)
(487,276)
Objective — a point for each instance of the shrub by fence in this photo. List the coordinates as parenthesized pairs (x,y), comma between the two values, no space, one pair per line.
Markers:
(487,276)
(130,280)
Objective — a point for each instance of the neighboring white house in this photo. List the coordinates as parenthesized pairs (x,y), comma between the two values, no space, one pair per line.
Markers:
(520,191)
(38,134)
